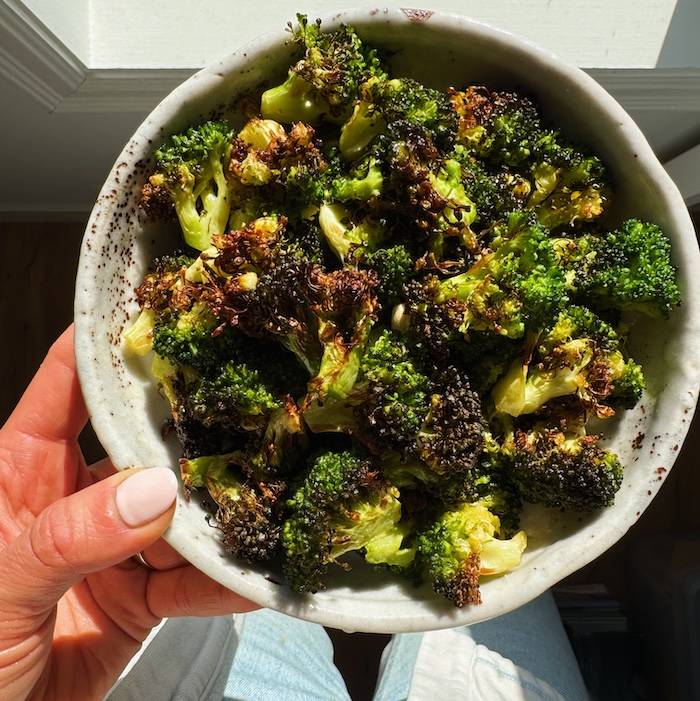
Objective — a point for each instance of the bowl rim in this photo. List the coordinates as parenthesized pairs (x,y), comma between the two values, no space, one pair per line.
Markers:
(376,617)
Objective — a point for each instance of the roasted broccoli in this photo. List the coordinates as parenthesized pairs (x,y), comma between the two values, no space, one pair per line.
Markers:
(341,505)
(579,355)
(628,269)
(247,513)
(568,471)
(324,83)
(398,311)
(463,544)
(191,171)
(517,285)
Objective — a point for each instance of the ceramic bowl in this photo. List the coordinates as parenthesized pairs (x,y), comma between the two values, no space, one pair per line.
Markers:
(439,50)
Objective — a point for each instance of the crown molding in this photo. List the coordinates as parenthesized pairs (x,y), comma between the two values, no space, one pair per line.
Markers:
(38,62)
(35,59)
(124,90)
(139,90)
(651,89)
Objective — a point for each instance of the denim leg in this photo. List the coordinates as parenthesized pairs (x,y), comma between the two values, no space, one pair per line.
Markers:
(396,667)
(280,657)
(534,638)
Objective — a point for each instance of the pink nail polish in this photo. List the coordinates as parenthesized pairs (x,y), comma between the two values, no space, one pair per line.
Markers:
(146,495)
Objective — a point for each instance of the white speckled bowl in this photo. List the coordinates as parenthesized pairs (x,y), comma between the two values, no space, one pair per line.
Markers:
(440,50)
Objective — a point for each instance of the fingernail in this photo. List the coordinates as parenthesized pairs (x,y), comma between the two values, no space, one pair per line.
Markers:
(146,495)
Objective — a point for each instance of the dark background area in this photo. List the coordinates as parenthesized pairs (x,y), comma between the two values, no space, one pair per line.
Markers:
(629,633)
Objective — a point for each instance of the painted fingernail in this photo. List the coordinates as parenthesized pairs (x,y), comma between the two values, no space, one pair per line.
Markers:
(146,495)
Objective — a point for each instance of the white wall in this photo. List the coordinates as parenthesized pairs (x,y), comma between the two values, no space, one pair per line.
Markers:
(182,33)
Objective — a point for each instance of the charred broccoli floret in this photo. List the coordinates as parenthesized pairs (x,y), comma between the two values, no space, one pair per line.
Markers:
(564,470)
(579,355)
(563,185)
(191,171)
(461,546)
(324,83)
(247,513)
(383,102)
(515,286)
(628,269)
(342,505)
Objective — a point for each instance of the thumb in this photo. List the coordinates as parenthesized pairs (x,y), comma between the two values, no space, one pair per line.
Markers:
(88,531)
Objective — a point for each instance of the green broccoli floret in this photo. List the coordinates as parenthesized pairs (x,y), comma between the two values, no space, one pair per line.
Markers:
(384,101)
(247,514)
(324,83)
(516,286)
(579,355)
(569,191)
(628,269)
(186,338)
(564,470)
(342,505)
(565,186)
(190,168)
(461,546)
(138,338)
(348,241)
(237,396)
(365,181)
(495,195)
(394,267)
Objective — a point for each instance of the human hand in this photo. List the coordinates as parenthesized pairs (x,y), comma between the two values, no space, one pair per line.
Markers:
(74,608)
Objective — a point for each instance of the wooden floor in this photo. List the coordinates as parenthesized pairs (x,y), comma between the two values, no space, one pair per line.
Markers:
(36,290)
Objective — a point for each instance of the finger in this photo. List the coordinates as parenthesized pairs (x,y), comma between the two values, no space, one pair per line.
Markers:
(52,407)
(186,591)
(85,532)
(161,556)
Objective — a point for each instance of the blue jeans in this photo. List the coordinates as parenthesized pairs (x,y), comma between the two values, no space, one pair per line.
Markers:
(279,658)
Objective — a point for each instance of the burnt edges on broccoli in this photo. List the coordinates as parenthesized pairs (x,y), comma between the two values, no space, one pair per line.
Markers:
(396,311)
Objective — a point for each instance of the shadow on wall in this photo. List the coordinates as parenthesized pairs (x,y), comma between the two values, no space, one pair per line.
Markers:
(681,48)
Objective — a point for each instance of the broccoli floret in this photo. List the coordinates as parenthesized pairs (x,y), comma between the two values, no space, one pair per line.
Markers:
(438,420)
(564,470)
(264,154)
(579,355)
(190,168)
(365,181)
(247,514)
(571,191)
(427,190)
(628,269)
(515,286)
(394,267)
(348,241)
(628,382)
(342,505)
(383,102)
(186,338)
(324,83)
(162,280)
(564,185)
(346,309)
(494,194)
(461,545)
(237,396)
(138,338)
